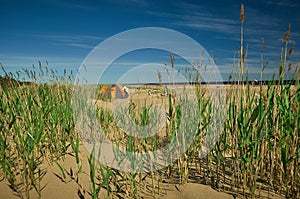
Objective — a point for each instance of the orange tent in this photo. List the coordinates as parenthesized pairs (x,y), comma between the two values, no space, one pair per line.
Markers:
(115,91)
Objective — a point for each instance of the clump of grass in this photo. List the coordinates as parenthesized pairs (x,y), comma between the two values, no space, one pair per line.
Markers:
(257,133)
(35,123)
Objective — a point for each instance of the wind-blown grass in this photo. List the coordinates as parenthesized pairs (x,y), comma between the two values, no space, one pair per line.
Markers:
(36,122)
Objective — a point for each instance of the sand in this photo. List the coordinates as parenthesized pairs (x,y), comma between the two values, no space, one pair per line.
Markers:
(55,188)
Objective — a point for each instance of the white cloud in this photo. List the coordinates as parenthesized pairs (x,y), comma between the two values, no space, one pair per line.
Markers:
(280,3)
(76,45)
(207,21)
(9,60)
(80,41)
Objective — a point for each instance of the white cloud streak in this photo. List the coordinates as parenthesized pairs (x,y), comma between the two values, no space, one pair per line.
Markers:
(282,3)
(9,60)
(80,41)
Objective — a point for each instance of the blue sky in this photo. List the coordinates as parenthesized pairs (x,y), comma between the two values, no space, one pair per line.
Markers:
(65,32)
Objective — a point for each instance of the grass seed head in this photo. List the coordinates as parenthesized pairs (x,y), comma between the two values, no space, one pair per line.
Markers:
(242,14)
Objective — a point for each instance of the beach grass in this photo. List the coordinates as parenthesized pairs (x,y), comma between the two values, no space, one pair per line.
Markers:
(257,152)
